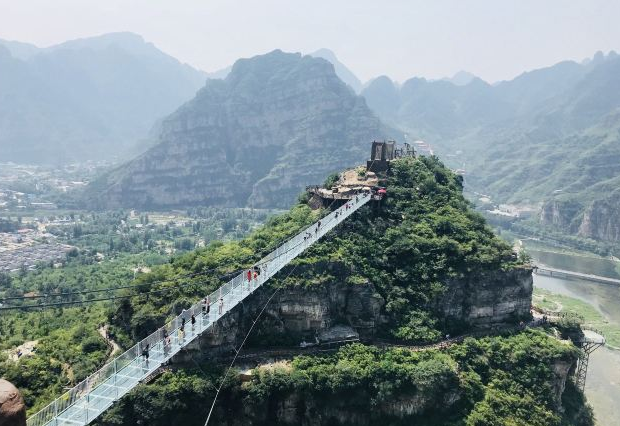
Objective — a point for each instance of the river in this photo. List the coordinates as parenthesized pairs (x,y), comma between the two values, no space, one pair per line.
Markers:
(603,380)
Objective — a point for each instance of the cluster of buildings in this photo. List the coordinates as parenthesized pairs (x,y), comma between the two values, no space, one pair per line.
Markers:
(26,248)
(25,187)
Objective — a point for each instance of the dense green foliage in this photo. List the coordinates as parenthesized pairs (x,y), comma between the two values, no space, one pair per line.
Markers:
(424,233)
(492,381)
(69,346)
(69,349)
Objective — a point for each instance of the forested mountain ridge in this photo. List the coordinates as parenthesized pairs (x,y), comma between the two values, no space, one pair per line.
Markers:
(86,99)
(276,122)
(398,272)
(546,138)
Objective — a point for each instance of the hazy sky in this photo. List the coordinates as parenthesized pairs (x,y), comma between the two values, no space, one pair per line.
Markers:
(495,39)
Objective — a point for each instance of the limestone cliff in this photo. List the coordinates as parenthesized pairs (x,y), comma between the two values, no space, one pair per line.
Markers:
(298,313)
(598,219)
(276,123)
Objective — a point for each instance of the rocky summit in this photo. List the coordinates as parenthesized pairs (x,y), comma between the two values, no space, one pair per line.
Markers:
(276,123)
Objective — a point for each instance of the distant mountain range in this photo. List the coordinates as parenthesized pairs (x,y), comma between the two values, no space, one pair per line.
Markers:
(277,122)
(90,98)
(549,138)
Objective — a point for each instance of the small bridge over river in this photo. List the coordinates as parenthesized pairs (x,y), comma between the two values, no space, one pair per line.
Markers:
(563,273)
(86,401)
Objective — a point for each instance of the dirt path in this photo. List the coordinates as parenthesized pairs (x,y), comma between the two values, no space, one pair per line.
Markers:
(115,347)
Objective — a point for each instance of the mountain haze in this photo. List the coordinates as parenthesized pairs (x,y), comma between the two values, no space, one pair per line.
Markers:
(85,99)
(549,137)
(277,122)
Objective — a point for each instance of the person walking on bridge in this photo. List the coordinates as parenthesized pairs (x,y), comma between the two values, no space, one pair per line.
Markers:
(221,306)
(145,355)
(166,343)
(193,320)
(249,274)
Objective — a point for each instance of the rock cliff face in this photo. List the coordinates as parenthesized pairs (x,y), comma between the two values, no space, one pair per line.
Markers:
(598,219)
(492,298)
(601,220)
(276,123)
(298,313)
(310,410)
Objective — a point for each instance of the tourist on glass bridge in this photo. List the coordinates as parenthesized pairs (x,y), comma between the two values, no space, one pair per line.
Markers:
(249,274)
(145,355)
(166,342)
(193,320)
(221,305)
(207,306)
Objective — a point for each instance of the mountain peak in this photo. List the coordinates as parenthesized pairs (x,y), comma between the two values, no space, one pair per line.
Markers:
(461,78)
(344,73)
(278,121)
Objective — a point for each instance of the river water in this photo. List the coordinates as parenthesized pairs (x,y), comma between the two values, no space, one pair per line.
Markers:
(603,380)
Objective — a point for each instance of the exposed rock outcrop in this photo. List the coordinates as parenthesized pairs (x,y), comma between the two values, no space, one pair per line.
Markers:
(12,407)
(487,299)
(601,220)
(298,313)
(598,219)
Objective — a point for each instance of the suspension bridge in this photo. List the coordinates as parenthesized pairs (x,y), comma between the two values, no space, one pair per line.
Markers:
(85,402)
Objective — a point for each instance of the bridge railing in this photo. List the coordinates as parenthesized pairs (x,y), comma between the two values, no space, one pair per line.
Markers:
(268,265)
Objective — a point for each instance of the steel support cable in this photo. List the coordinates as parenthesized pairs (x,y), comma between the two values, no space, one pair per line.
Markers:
(237,351)
(191,275)
(110,298)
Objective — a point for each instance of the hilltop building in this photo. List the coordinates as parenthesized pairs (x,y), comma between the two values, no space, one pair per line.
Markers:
(361,179)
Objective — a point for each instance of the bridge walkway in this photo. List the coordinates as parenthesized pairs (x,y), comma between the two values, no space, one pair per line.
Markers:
(86,401)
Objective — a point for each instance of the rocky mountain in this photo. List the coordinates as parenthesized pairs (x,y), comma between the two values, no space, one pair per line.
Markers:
(344,73)
(277,122)
(84,99)
(549,137)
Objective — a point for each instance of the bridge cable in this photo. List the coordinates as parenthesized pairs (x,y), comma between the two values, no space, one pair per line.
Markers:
(264,252)
(110,298)
(238,350)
